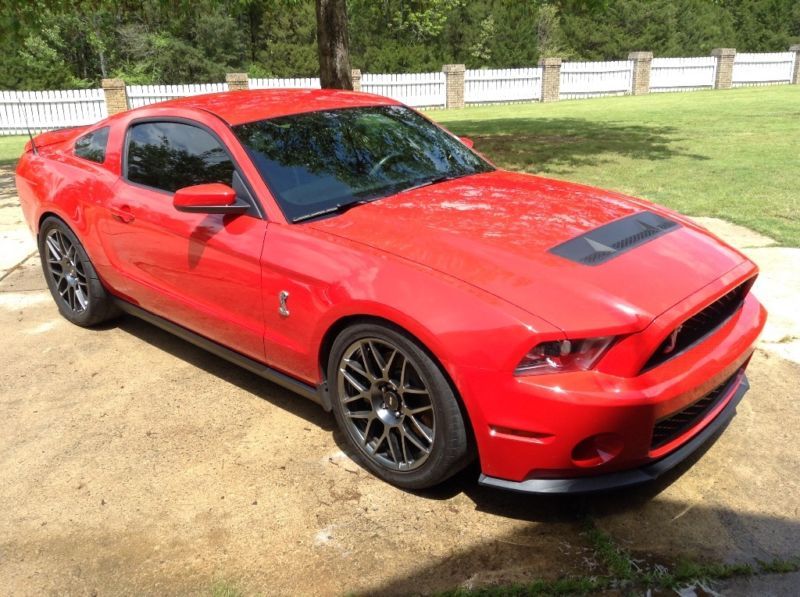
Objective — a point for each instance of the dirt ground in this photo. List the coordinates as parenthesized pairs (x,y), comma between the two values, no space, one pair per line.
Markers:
(134,463)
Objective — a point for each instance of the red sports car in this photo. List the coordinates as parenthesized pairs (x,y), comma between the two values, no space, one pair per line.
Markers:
(344,246)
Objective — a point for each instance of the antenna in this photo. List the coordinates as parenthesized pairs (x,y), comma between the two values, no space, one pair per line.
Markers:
(27,125)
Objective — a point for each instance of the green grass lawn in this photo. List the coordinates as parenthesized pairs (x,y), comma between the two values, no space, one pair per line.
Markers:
(729,154)
(11,148)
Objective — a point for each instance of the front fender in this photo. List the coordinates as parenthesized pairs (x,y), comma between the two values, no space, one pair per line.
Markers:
(329,279)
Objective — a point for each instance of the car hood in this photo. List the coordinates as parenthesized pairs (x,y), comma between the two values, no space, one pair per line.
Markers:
(496,230)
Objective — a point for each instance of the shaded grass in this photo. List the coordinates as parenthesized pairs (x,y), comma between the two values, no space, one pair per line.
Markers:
(629,576)
(11,148)
(728,154)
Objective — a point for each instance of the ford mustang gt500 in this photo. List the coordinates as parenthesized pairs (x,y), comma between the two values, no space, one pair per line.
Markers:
(344,246)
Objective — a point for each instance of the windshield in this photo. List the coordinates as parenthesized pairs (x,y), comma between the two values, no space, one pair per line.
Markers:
(316,162)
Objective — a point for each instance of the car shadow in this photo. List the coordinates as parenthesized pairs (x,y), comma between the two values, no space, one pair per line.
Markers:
(551,511)
(553,508)
(556,551)
(218,367)
(559,145)
(519,506)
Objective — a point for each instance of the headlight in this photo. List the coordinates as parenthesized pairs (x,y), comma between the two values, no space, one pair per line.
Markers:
(564,355)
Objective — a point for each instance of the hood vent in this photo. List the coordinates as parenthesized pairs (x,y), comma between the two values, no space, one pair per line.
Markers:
(611,240)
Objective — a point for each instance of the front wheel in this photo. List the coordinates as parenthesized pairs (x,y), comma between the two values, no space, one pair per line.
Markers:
(395,407)
(71,277)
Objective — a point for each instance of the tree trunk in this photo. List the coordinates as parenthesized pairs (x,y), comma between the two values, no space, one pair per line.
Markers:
(333,45)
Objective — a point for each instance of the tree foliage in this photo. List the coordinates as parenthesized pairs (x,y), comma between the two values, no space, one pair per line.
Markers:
(74,43)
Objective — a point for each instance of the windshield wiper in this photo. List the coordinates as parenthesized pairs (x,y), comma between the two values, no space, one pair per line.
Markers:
(436,180)
(334,209)
(426,183)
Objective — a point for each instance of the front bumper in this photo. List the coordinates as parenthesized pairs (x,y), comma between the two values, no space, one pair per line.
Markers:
(636,476)
(530,429)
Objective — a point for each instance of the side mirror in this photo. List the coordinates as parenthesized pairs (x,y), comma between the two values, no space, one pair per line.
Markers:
(214,198)
(467,141)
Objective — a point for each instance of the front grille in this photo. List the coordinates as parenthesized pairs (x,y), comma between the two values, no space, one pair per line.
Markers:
(680,422)
(699,326)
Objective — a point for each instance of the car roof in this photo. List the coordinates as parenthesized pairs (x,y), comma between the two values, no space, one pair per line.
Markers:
(239,107)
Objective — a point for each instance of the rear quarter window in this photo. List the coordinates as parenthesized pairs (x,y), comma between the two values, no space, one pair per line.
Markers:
(92,146)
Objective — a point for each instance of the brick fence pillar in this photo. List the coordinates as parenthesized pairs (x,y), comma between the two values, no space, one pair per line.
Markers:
(355,74)
(642,61)
(551,79)
(116,95)
(454,85)
(725,58)
(796,74)
(237,81)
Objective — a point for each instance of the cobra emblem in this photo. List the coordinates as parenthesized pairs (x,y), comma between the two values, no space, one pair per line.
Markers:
(673,340)
(283,310)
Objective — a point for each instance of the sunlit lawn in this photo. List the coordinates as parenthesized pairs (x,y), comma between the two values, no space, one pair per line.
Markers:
(731,154)
(11,148)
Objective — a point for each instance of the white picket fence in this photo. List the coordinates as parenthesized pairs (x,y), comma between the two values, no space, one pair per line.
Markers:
(46,110)
(421,90)
(486,86)
(296,83)
(594,79)
(144,95)
(763,69)
(682,74)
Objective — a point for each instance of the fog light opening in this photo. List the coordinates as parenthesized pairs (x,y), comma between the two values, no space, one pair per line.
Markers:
(597,449)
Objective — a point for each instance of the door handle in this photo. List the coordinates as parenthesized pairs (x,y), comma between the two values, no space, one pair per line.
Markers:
(122,214)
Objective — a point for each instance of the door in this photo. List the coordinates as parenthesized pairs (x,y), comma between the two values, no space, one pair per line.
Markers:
(201,271)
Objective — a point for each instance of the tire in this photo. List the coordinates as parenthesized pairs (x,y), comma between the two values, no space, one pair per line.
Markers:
(395,407)
(71,277)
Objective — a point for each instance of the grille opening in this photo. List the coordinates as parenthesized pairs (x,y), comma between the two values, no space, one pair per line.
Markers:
(700,325)
(675,425)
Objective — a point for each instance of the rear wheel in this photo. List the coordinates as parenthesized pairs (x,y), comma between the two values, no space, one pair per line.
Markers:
(395,407)
(71,277)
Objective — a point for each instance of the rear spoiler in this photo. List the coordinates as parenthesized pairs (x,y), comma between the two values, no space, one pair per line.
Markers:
(54,137)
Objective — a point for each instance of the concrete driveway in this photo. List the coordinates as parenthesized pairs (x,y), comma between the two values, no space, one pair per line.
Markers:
(133,463)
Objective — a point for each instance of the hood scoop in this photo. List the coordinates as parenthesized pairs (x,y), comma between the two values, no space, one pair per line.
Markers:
(611,240)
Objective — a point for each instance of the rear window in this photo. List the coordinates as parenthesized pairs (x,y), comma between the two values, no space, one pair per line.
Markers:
(92,146)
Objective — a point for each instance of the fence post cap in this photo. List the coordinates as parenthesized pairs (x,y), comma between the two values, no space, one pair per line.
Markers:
(235,77)
(550,61)
(723,52)
(112,83)
(794,48)
(453,68)
(355,72)
(640,56)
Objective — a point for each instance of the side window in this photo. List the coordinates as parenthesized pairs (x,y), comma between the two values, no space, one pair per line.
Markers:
(172,155)
(92,146)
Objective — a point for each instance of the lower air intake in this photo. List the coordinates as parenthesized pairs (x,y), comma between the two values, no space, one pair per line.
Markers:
(675,425)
